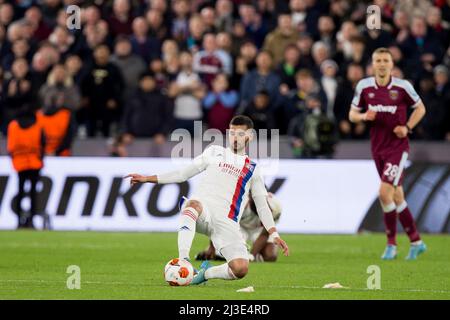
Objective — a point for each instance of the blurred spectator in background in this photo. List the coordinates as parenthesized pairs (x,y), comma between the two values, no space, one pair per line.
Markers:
(261,112)
(102,94)
(245,62)
(346,88)
(60,99)
(294,100)
(20,49)
(59,90)
(196,31)
(276,42)
(312,133)
(207,62)
(288,68)
(157,28)
(187,91)
(329,83)
(261,78)
(224,20)
(435,92)
(130,65)
(220,103)
(253,24)
(146,46)
(25,145)
(421,48)
(121,19)
(18,93)
(179,28)
(148,113)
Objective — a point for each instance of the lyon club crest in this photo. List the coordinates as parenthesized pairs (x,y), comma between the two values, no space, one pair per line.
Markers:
(393,94)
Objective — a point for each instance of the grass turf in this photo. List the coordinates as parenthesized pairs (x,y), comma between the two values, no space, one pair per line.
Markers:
(130,265)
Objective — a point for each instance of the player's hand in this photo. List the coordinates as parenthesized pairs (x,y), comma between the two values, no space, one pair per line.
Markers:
(282,245)
(136,178)
(401,131)
(370,115)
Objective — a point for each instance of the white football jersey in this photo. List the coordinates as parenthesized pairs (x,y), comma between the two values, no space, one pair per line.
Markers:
(226,180)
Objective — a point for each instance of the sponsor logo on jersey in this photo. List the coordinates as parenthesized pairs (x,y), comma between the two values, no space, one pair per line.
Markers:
(381,108)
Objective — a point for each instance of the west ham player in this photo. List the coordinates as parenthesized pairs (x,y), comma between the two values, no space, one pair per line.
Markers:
(262,244)
(215,207)
(383,101)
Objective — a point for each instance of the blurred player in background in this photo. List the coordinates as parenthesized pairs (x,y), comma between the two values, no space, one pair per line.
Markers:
(385,101)
(25,144)
(215,208)
(262,246)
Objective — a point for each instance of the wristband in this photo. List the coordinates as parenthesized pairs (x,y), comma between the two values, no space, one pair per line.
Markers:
(275,235)
(409,129)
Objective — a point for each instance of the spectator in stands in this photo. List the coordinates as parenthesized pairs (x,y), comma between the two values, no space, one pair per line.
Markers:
(148,113)
(6,14)
(439,27)
(329,83)
(326,32)
(102,93)
(144,45)
(207,62)
(294,101)
(121,19)
(224,20)
(261,78)
(244,63)
(421,47)
(288,68)
(312,133)
(220,103)
(130,65)
(62,40)
(277,41)
(20,49)
(208,16)
(435,92)
(320,52)
(260,111)
(346,88)
(253,24)
(157,28)
(59,91)
(18,93)
(41,31)
(196,31)
(187,91)
(179,29)
(75,69)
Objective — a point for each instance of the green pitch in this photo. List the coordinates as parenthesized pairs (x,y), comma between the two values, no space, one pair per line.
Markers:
(130,266)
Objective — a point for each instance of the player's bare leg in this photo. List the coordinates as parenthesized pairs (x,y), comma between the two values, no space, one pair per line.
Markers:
(186,232)
(409,225)
(386,196)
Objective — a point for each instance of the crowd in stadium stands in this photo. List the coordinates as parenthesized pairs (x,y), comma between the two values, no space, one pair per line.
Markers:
(141,68)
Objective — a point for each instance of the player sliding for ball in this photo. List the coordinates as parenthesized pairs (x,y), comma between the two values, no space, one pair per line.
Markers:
(385,100)
(215,207)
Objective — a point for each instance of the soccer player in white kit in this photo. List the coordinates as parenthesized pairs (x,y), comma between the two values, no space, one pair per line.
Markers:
(215,207)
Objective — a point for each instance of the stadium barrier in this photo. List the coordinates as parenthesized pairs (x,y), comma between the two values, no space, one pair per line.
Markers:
(318,196)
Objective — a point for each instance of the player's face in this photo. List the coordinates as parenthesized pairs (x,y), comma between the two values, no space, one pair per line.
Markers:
(382,64)
(238,136)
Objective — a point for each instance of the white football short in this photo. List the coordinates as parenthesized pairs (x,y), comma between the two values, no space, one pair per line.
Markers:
(224,233)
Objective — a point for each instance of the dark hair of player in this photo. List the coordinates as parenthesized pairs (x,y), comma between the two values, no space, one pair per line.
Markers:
(242,121)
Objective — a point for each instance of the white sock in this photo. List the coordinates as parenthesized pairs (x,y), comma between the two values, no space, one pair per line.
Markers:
(416,243)
(186,232)
(220,272)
